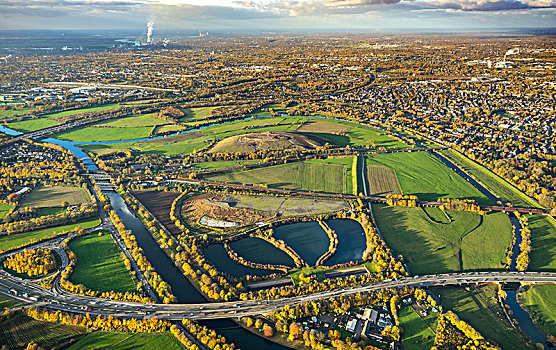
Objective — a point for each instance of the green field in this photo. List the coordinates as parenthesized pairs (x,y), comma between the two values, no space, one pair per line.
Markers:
(4,209)
(20,330)
(223,164)
(540,301)
(31,124)
(100,340)
(186,143)
(479,307)
(132,127)
(15,111)
(500,187)
(428,247)
(196,113)
(264,110)
(99,265)
(422,174)
(82,110)
(322,176)
(543,243)
(8,303)
(418,333)
(53,196)
(12,241)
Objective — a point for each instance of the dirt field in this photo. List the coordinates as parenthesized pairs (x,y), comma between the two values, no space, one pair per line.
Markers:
(204,205)
(323,126)
(53,196)
(159,203)
(273,140)
(282,206)
(382,180)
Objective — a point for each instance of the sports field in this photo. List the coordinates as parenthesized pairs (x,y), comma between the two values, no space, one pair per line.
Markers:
(295,176)
(494,183)
(100,340)
(540,301)
(418,333)
(479,307)
(543,243)
(99,265)
(53,196)
(18,331)
(12,241)
(382,181)
(467,243)
(422,174)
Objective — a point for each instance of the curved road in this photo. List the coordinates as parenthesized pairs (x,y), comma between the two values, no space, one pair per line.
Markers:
(30,293)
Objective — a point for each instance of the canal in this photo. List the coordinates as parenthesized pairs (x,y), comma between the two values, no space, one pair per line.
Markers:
(181,287)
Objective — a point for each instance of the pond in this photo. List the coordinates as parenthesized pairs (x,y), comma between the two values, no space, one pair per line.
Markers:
(260,251)
(217,255)
(351,241)
(308,239)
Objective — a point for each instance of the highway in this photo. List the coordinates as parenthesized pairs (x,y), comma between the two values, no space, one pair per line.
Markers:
(30,293)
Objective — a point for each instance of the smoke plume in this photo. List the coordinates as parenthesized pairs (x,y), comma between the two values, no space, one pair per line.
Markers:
(150,27)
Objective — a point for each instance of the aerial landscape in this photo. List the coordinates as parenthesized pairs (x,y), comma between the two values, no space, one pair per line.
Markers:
(312,174)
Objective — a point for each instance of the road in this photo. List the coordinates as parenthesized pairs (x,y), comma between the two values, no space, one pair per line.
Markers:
(30,293)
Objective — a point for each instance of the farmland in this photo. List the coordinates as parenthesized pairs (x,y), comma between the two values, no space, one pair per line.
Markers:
(543,243)
(132,127)
(540,302)
(12,241)
(478,306)
(196,113)
(421,174)
(18,331)
(99,265)
(53,196)
(159,203)
(28,125)
(491,181)
(418,333)
(296,176)
(431,247)
(382,180)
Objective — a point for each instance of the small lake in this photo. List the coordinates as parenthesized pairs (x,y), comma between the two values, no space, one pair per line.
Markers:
(351,241)
(260,251)
(217,255)
(308,239)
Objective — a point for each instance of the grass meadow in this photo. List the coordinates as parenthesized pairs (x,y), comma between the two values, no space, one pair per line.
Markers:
(479,307)
(53,196)
(101,340)
(99,264)
(469,242)
(12,241)
(421,174)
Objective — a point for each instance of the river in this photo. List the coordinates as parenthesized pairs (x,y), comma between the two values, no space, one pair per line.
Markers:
(190,294)
(181,287)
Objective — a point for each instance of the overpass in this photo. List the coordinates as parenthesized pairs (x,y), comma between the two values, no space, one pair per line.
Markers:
(32,294)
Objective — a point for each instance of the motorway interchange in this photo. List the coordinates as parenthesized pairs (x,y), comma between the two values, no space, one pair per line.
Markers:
(57,299)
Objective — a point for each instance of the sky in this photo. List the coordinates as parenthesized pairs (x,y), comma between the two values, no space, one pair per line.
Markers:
(276,15)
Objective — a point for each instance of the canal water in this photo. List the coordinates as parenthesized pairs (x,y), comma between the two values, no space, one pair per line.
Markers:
(296,240)
(519,314)
(181,287)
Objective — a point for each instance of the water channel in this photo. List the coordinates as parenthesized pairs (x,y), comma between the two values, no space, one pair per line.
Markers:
(185,292)
(519,314)
(181,287)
